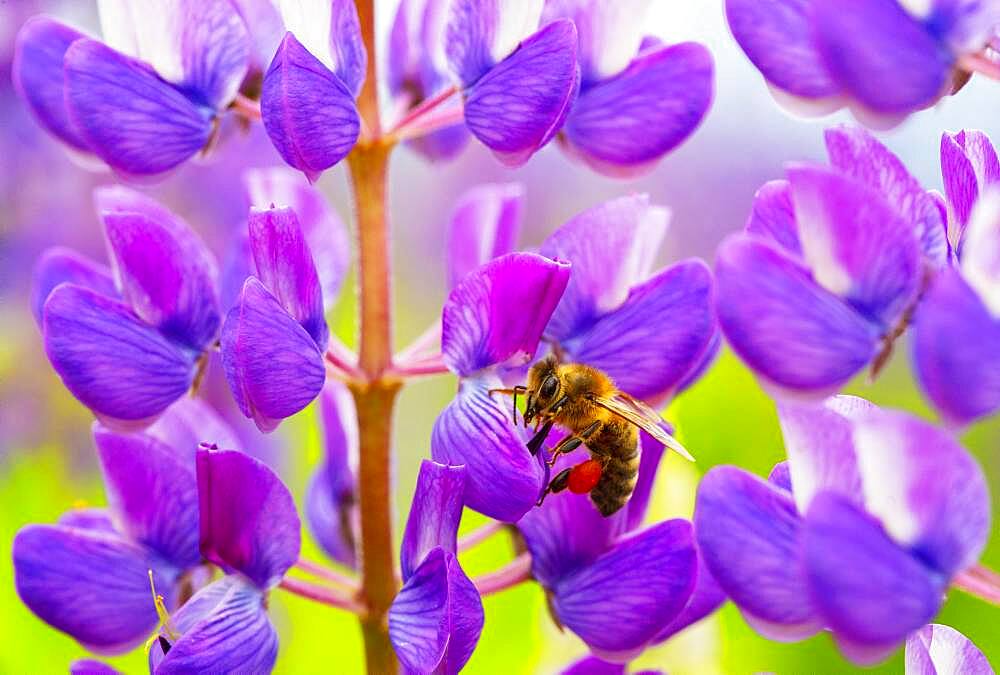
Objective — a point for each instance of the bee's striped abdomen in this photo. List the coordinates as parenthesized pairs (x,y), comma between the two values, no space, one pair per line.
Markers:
(617,482)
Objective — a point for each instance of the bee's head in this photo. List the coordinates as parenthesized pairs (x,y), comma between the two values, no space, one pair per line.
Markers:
(543,387)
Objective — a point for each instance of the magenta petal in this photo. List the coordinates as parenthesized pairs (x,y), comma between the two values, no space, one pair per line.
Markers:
(592,665)
(57,265)
(131,118)
(272,364)
(503,480)
(188,423)
(285,266)
(777,37)
(787,329)
(773,216)
(166,272)
(857,153)
(115,364)
(308,113)
(248,518)
(497,314)
(619,603)
(968,165)
(707,597)
(881,55)
(91,667)
(434,515)
(522,102)
(625,123)
(750,536)
(92,585)
(152,494)
(37,72)
(936,649)
(483,226)
(867,588)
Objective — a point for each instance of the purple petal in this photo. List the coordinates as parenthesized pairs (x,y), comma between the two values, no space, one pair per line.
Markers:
(857,153)
(649,461)
(773,216)
(781,476)
(612,248)
(434,515)
(479,33)
(497,314)
(621,601)
(936,649)
(309,114)
(441,145)
(89,519)
(750,534)
(856,244)
(166,272)
(91,667)
(707,597)
(926,489)
(93,585)
(130,118)
(322,227)
(611,34)
(968,165)
(57,265)
(592,665)
(248,518)
(885,58)
(820,446)
(621,126)
(435,621)
(330,30)
(868,589)
(115,364)
(285,266)
(503,480)
(777,37)
(483,226)
(37,72)
(522,102)
(782,324)
(960,375)
(646,329)
(188,423)
(152,494)
(331,520)
(224,629)
(272,364)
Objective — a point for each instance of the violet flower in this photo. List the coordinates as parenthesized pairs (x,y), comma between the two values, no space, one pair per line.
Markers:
(249,527)
(274,338)
(484,225)
(436,619)
(592,665)
(961,374)
(860,534)
(128,342)
(149,96)
(883,58)
(941,650)
(638,99)
(829,267)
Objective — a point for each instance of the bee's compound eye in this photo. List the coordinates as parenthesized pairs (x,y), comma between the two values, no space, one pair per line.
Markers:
(549,387)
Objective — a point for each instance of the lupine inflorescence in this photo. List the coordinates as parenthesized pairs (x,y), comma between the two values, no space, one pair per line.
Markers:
(859,534)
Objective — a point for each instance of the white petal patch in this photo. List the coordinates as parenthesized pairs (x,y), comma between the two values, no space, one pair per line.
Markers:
(516,20)
(981,250)
(881,451)
(310,21)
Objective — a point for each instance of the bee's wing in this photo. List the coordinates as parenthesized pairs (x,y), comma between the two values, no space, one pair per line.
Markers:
(642,416)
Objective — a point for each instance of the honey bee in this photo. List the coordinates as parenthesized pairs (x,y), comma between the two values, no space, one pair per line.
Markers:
(585,401)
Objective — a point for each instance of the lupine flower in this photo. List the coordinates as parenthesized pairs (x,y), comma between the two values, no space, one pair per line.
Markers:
(331,502)
(638,99)
(89,574)
(484,225)
(883,58)
(618,587)
(274,338)
(149,96)
(941,650)
(308,94)
(130,347)
(829,267)
(860,534)
(248,527)
(592,665)
(436,619)
(961,376)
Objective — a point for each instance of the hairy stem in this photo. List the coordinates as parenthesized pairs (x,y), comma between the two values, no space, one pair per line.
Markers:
(368,99)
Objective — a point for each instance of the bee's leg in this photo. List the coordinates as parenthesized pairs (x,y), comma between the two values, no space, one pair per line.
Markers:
(571,443)
(514,391)
(557,484)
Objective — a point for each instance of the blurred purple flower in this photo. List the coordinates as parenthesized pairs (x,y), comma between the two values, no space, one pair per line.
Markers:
(881,512)
(941,650)
(592,665)
(829,267)
(250,529)
(436,619)
(638,99)
(956,342)
(883,58)
(128,342)
(484,225)
(148,97)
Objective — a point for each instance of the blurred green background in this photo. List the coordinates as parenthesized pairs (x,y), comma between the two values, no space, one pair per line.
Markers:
(46,458)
